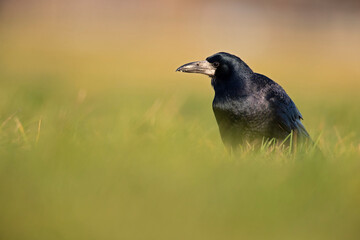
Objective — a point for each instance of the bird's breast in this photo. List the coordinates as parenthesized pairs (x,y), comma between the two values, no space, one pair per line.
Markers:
(244,112)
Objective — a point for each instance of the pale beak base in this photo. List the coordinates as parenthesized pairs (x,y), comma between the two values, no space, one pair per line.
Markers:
(203,67)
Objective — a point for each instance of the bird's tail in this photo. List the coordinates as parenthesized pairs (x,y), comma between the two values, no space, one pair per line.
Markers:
(301,131)
(302,136)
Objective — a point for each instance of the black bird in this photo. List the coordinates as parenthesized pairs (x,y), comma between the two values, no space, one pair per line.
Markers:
(248,106)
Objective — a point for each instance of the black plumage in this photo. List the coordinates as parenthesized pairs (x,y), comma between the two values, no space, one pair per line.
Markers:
(249,107)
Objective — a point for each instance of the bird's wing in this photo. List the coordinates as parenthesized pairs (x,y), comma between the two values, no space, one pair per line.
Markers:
(286,114)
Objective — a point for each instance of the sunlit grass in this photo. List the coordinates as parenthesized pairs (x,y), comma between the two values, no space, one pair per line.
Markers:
(101,139)
(144,164)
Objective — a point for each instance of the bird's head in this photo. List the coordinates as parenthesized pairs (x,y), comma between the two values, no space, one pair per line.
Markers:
(218,65)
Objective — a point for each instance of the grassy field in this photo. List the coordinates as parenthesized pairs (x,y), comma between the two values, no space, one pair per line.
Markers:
(112,144)
(140,163)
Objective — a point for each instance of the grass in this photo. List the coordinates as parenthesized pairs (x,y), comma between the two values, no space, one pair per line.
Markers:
(101,139)
(139,163)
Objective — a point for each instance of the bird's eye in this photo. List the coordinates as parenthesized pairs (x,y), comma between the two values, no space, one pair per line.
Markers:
(216,64)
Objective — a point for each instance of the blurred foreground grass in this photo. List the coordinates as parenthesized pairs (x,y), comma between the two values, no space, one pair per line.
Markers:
(139,163)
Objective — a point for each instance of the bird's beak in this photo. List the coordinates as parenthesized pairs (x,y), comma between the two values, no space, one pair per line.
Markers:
(203,67)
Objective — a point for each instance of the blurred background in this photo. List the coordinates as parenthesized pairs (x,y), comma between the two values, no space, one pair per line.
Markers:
(101,139)
(312,44)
